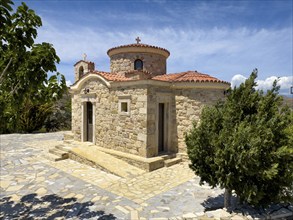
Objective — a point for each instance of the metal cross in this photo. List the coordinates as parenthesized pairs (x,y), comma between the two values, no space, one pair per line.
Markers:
(138,40)
(84,56)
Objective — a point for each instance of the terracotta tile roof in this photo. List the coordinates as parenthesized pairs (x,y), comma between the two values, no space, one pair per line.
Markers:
(189,76)
(138,71)
(138,45)
(112,76)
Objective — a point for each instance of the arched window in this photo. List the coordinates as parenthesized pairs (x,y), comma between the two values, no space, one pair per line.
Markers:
(80,71)
(138,64)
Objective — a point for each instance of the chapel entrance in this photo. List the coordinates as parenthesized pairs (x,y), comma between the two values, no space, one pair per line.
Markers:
(161,127)
(89,122)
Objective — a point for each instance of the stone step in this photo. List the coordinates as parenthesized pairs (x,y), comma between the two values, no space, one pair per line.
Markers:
(63,148)
(68,141)
(52,157)
(183,156)
(173,161)
(168,156)
(68,136)
(59,153)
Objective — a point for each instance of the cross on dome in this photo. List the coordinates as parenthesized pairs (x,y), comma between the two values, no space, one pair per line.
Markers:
(138,40)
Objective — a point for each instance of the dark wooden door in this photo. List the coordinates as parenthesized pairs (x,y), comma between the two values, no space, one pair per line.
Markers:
(89,121)
(161,127)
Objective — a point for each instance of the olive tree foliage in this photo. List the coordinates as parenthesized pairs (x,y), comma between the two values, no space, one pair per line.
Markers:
(245,145)
(27,94)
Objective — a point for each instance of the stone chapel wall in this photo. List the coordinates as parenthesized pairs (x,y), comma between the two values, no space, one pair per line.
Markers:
(153,63)
(189,104)
(76,117)
(125,133)
(184,106)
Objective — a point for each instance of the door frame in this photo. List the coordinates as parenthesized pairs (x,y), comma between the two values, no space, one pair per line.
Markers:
(92,99)
(89,127)
(166,125)
(161,127)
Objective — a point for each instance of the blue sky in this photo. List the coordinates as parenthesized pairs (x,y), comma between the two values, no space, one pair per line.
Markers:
(226,39)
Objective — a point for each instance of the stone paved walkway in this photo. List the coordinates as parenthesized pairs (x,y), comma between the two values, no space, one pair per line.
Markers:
(33,187)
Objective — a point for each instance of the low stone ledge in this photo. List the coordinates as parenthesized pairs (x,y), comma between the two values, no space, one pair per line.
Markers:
(183,156)
(147,164)
(83,160)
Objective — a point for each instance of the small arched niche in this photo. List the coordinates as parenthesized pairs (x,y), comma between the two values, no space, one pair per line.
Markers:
(138,64)
(80,72)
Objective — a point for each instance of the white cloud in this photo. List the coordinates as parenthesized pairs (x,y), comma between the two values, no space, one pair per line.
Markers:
(285,83)
(237,80)
(68,83)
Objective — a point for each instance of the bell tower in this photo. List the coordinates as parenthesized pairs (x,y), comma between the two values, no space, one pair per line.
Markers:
(83,67)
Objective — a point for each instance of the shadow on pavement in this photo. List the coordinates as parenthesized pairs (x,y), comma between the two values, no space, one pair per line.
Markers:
(274,211)
(48,207)
(213,203)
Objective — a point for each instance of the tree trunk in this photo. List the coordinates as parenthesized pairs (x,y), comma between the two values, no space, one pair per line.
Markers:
(4,71)
(227,198)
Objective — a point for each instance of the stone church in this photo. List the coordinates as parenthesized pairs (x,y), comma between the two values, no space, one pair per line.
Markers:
(137,108)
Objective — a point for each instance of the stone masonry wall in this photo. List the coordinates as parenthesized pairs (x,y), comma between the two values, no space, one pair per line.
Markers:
(76,116)
(153,63)
(189,104)
(122,132)
(183,106)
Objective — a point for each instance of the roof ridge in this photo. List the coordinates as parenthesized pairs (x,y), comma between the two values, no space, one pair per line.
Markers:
(138,45)
(183,74)
(98,71)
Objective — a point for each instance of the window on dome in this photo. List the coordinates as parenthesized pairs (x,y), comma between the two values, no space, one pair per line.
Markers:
(138,64)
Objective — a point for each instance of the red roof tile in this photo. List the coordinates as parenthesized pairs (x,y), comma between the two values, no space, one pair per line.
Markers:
(189,76)
(112,76)
(138,45)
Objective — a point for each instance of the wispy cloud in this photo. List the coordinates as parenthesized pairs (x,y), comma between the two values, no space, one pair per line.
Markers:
(218,50)
(191,32)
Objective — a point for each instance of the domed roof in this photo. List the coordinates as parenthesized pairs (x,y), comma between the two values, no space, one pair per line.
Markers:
(138,47)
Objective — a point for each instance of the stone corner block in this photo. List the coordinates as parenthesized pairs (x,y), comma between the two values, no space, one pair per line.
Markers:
(142,137)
